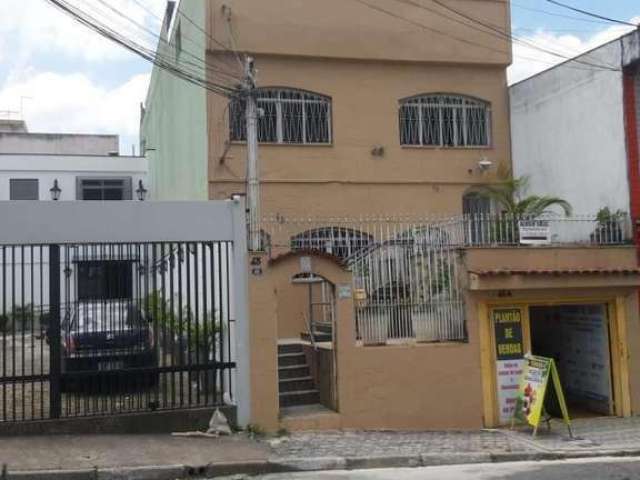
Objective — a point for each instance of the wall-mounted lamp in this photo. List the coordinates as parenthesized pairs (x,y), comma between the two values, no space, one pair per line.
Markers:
(55,191)
(485,164)
(141,191)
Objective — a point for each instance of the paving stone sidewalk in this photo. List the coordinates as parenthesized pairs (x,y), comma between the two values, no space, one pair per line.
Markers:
(590,435)
(379,444)
(163,457)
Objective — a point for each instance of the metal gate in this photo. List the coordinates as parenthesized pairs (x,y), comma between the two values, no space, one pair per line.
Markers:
(91,328)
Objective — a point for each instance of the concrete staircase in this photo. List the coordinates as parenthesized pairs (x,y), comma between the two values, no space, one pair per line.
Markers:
(321,333)
(295,381)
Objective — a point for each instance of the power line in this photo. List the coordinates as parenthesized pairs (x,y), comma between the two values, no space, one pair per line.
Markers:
(201,65)
(463,40)
(211,37)
(527,43)
(161,21)
(94,24)
(592,14)
(560,15)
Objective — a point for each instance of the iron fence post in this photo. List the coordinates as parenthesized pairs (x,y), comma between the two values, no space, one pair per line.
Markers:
(55,359)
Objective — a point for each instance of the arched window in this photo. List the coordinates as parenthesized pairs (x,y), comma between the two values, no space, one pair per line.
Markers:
(475,204)
(339,241)
(289,117)
(445,120)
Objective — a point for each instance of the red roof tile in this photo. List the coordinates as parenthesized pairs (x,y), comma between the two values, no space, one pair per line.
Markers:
(567,271)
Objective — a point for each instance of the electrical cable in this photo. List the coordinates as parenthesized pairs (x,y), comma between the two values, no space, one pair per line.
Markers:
(592,14)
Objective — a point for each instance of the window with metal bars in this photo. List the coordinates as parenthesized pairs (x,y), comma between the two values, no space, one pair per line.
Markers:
(288,117)
(444,120)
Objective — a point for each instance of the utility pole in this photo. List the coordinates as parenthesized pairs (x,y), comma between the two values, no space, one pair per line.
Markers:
(253,172)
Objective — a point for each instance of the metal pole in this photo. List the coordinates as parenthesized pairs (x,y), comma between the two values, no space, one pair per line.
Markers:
(253,174)
(55,359)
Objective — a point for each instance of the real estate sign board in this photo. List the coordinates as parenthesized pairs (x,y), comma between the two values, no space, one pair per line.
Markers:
(533,390)
(534,232)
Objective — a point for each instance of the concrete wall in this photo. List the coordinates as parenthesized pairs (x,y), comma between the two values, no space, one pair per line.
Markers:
(58,143)
(344,178)
(65,168)
(174,126)
(403,387)
(568,132)
(351,30)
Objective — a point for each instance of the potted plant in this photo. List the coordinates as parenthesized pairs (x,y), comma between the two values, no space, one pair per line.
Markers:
(511,196)
(610,227)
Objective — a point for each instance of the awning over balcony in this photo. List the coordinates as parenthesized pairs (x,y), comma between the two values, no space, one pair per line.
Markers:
(525,279)
(567,271)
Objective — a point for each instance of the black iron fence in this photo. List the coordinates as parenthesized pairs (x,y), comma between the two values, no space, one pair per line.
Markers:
(102,329)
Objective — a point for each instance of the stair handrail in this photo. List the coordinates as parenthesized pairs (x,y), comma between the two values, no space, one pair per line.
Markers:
(308,326)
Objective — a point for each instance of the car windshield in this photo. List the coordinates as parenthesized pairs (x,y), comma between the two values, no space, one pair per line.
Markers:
(94,317)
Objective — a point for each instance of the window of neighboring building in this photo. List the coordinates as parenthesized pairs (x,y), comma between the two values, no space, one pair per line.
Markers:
(104,189)
(289,117)
(105,280)
(442,120)
(23,189)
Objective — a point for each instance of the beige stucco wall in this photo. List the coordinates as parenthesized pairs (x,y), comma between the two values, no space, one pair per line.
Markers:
(345,178)
(546,258)
(422,386)
(347,29)
(414,387)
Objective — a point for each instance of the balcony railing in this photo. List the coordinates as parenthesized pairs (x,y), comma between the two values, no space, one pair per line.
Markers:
(406,272)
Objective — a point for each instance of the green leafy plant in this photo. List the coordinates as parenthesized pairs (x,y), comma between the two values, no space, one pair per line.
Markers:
(197,334)
(511,195)
(610,226)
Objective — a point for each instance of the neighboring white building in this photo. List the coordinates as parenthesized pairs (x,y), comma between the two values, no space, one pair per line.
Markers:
(86,167)
(83,167)
(571,127)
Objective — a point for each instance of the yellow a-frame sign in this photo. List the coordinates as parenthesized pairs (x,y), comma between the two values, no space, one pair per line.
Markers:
(533,389)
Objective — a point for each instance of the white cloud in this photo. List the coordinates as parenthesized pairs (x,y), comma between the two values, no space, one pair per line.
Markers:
(528,61)
(38,26)
(73,103)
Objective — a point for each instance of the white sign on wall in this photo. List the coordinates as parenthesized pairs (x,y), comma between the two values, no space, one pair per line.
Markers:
(534,232)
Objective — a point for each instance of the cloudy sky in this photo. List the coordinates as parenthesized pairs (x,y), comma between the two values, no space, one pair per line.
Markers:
(62,77)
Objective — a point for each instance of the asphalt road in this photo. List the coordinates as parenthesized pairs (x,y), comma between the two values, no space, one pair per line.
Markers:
(582,469)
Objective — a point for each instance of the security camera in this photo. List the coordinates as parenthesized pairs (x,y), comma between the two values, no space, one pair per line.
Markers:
(485,164)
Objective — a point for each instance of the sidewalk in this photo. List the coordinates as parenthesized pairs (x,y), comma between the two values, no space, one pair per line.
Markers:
(163,457)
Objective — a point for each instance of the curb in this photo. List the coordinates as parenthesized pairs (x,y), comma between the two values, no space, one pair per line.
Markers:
(310,464)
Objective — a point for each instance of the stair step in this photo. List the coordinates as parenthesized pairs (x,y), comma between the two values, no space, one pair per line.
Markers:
(318,327)
(317,337)
(302,397)
(289,348)
(293,371)
(296,384)
(291,359)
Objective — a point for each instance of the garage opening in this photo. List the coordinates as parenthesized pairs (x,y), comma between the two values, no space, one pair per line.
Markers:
(577,337)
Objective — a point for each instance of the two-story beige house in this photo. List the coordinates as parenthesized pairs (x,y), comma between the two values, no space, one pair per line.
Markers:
(368,107)
(390,296)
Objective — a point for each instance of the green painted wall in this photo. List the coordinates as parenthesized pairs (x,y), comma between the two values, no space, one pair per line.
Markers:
(174,127)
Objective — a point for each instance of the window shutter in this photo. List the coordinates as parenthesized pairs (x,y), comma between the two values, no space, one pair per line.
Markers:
(23,189)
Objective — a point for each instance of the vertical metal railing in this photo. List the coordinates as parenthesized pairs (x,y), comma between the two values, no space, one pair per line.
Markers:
(405,268)
(102,329)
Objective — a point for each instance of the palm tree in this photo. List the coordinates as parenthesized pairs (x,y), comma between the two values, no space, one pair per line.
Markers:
(511,196)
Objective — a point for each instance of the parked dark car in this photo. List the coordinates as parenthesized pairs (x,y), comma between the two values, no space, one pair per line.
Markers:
(109,339)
